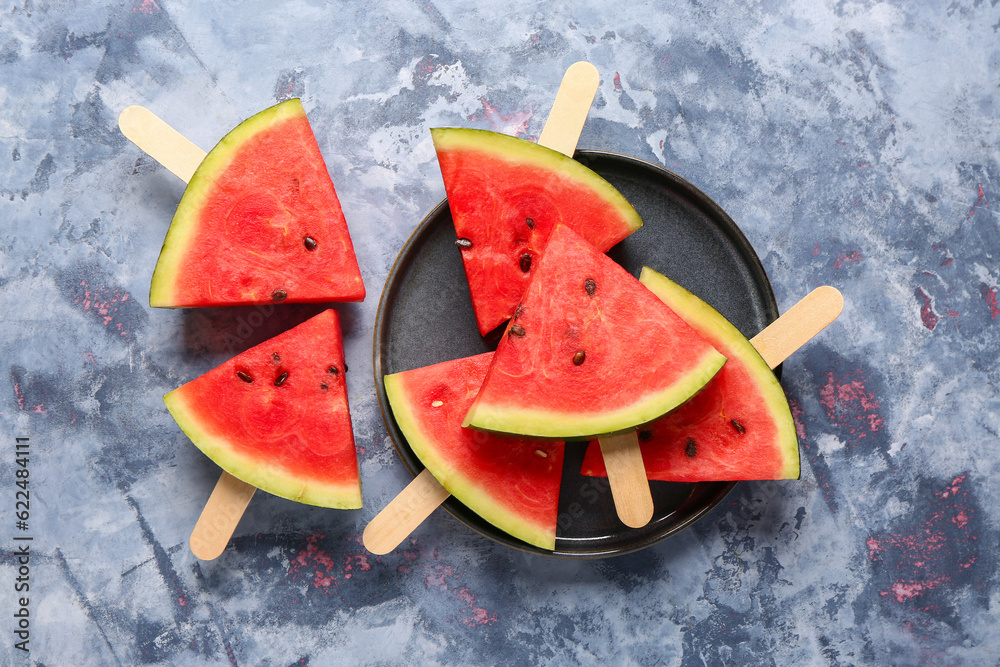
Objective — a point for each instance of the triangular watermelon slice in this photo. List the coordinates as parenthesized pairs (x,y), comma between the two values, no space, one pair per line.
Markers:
(513,484)
(259,222)
(276,416)
(738,427)
(590,351)
(505,195)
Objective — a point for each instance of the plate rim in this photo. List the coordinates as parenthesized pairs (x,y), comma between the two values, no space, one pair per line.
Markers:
(402,260)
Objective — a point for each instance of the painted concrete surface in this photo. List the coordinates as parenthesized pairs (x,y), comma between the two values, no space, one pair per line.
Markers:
(856,144)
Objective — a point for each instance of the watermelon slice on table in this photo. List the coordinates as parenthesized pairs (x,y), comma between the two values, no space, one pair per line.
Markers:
(739,427)
(590,351)
(513,484)
(259,222)
(276,416)
(505,195)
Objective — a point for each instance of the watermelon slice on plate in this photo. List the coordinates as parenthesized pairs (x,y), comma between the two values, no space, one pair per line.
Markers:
(259,222)
(739,427)
(506,195)
(589,351)
(276,416)
(513,484)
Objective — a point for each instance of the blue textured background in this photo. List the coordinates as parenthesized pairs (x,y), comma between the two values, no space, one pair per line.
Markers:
(856,143)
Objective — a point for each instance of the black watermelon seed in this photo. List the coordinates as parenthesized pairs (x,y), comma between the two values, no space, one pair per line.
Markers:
(691,448)
(279,295)
(518,311)
(590,286)
(322,385)
(463,243)
(740,428)
(645,434)
(244,376)
(310,243)
(516,330)
(579,357)
(530,222)
(332,369)
(276,357)
(525,262)
(280,380)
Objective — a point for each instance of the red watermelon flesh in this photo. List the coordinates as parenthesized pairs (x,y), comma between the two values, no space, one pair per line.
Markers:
(259,222)
(739,427)
(590,351)
(513,484)
(276,416)
(505,195)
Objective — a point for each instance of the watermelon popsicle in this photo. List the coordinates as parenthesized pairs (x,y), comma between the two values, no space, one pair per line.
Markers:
(740,426)
(183,158)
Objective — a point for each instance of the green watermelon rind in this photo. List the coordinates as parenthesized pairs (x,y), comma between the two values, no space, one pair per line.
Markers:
(711,324)
(551,424)
(252,470)
(465,490)
(184,224)
(516,150)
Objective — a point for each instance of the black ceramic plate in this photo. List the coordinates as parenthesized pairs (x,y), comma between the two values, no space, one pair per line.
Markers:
(425,316)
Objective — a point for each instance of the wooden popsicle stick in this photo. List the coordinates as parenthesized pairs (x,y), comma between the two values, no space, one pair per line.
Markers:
(231,496)
(627,478)
(404,513)
(423,495)
(163,143)
(569,111)
(222,513)
(799,324)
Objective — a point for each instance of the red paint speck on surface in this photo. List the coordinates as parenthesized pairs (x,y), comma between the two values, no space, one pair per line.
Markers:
(437,577)
(981,203)
(515,123)
(103,303)
(618,82)
(797,414)
(930,554)
(314,561)
(927,314)
(849,403)
(851,257)
(989,293)
(146,7)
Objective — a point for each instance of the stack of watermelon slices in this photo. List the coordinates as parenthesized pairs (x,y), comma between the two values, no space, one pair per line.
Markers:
(588,349)
(260,223)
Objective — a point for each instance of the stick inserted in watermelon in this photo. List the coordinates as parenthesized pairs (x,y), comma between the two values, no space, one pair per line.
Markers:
(739,427)
(276,417)
(259,222)
(590,351)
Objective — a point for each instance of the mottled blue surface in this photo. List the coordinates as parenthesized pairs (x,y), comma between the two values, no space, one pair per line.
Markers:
(856,143)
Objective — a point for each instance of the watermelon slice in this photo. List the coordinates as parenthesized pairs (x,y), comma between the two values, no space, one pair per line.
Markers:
(259,222)
(505,195)
(738,427)
(590,351)
(513,484)
(276,416)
